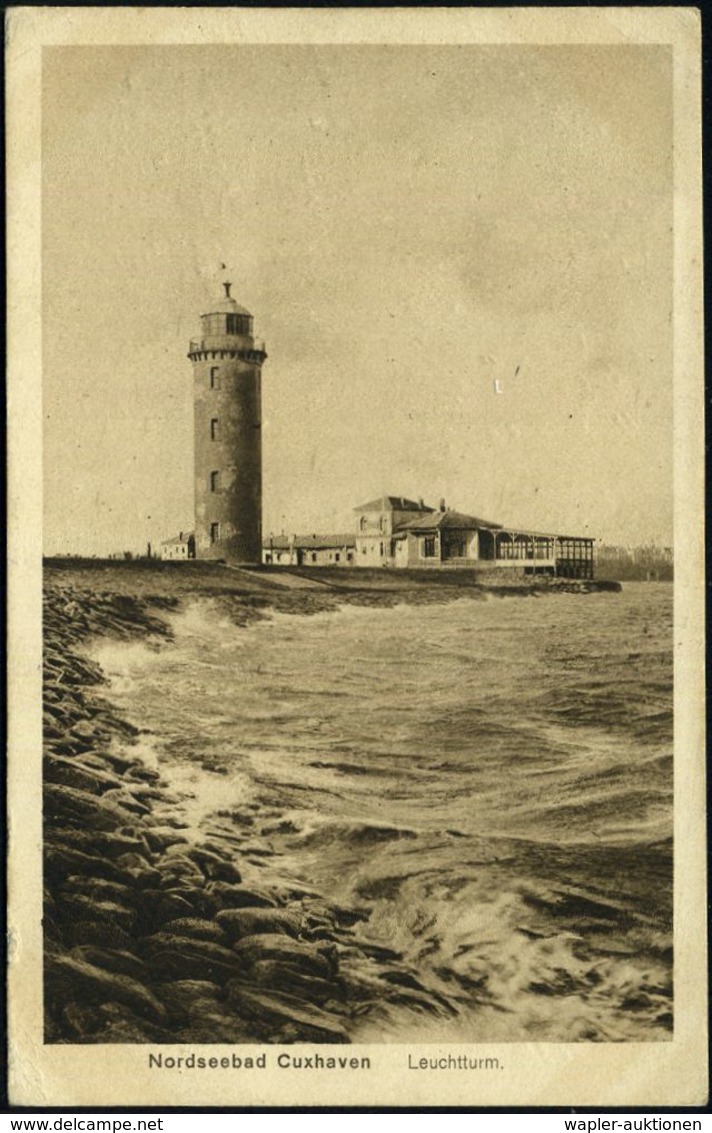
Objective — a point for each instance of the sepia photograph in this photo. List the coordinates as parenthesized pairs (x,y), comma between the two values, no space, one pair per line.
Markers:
(367,403)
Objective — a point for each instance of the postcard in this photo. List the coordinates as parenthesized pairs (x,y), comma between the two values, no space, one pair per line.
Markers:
(356,570)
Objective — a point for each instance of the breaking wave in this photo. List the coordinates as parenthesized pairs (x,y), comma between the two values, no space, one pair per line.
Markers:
(489,783)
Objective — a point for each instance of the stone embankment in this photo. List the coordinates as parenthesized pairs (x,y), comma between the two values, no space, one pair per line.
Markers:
(155,932)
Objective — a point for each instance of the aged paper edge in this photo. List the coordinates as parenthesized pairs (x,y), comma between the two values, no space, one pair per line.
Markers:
(596,1075)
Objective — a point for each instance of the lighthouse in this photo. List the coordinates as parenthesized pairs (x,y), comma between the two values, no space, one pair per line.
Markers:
(227,374)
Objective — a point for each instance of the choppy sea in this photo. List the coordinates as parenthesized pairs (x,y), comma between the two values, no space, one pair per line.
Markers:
(490,780)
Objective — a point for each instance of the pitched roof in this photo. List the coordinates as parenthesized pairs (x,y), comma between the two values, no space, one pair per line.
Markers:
(524,532)
(394,503)
(446,520)
(307,542)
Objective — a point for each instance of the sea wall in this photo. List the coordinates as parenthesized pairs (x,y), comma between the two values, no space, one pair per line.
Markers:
(154,932)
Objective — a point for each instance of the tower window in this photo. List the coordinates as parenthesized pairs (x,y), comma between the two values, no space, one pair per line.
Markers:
(214,429)
(214,481)
(237,324)
(214,532)
(215,377)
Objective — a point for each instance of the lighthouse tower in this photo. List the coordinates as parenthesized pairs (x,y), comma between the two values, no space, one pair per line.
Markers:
(227,364)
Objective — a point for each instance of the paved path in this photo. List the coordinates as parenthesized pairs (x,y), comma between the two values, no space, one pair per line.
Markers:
(282,578)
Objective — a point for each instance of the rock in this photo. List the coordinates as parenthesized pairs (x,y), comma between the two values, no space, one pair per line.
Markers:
(83,672)
(216,867)
(431,1000)
(54,709)
(70,773)
(227,836)
(108,844)
(420,1002)
(121,1025)
(98,889)
(71,714)
(317,934)
(238,897)
(287,893)
(314,959)
(122,726)
(50,729)
(84,730)
(201,903)
(126,799)
(197,928)
(174,822)
(239,818)
(295,1020)
(180,866)
(111,960)
(62,861)
(102,933)
(216,849)
(285,826)
(285,977)
(180,957)
(76,906)
(160,837)
(318,922)
(189,999)
(135,867)
(158,794)
(121,763)
(70,978)
(65,747)
(251,922)
(51,923)
(140,770)
(166,906)
(380,952)
(139,861)
(80,1021)
(349,917)
(68,804)
(162,940)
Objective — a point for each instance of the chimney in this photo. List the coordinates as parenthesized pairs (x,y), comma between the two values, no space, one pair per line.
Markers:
(421,503)
(180,536)
(442,505)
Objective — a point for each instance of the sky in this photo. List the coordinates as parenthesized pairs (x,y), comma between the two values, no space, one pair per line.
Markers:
(459,257)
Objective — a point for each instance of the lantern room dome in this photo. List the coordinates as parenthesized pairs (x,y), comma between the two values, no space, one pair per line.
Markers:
(228,307)
(226,325)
